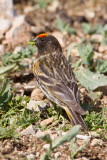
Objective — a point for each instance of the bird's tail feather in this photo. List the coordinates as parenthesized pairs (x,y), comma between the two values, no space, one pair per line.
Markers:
(75,117)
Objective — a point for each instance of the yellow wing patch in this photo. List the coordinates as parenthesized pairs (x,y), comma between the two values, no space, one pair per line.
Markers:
(68,113)
(36,67)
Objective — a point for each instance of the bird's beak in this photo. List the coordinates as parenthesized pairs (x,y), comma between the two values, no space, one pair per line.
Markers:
(32,42)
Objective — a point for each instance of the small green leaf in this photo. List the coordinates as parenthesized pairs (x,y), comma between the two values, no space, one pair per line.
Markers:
(60,25)
(70,47)
(64,27)
(88,29)
(5,93)
(66,138)
(89,79)
(86,53)
(69,30)
(6,69)
(101,66)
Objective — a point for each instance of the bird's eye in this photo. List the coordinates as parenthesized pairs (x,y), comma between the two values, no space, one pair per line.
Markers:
(42,39)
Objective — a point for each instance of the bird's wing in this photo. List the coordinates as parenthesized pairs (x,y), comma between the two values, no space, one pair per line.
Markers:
(61,84)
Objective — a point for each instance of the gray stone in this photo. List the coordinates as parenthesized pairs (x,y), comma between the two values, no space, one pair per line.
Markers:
(36,106)
(96,142)
(29,130)
(16,34)
(2,50)
(57,154)
(4,25)
(30,157)
(94,134)
(46,146)
(6,9)
(17,49)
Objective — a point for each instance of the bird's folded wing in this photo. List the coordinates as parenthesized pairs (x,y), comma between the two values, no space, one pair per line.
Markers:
(62,92)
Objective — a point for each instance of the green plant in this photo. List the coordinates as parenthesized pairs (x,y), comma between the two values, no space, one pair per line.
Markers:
(58,141)
(101,66)
(64,27)
(86,53)
(12,62)
(5,95)
(43,3)
(95,120)
(88,29)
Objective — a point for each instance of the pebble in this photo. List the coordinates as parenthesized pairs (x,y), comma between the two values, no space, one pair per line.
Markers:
(36,106)
(42,133)
(17,49)
(46,121)
(6,9)
(84,158)
(97,37)
(96,142)
(29,130)
(57,154)
(30,157)
(37,95)
(94,134)
(16,35)
(1,49)
(46,146)
(37,29)
(37,154)
(53,6)
(102,48)
(4,25)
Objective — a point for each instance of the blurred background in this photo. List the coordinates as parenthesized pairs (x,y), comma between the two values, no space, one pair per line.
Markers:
(20,20)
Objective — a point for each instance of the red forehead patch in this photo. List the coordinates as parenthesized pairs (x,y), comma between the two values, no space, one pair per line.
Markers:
(42,35)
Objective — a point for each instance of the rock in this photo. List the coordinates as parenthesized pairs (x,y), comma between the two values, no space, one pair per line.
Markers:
(84,158)
(29,130)
(8,148)
(46,146)
(74,52)
(6,9)
(102,48)
(37,154)
(17,49)
(97,37)
(46,121)
(53,6)
(4,25)
(97,55)
(37,95)
(84,137)
(42,133)
(30,157)
(36,106)
(96,142)
(57,154)
(94,134)
(1,49)
(19,32)
(89,14)
(37,29)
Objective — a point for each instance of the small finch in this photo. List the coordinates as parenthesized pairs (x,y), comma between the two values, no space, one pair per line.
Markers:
(55,77)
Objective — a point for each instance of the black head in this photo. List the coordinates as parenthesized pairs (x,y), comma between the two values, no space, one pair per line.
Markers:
(46,43)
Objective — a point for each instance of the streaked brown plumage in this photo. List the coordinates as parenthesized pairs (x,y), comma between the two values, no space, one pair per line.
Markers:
(55,77)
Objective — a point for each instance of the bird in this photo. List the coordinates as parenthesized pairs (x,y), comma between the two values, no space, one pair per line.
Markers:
(55,77)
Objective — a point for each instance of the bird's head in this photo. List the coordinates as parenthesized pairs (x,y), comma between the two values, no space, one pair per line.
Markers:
(46,43)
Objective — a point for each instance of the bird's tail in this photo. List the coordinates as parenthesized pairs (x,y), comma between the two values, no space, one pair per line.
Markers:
(75,117)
